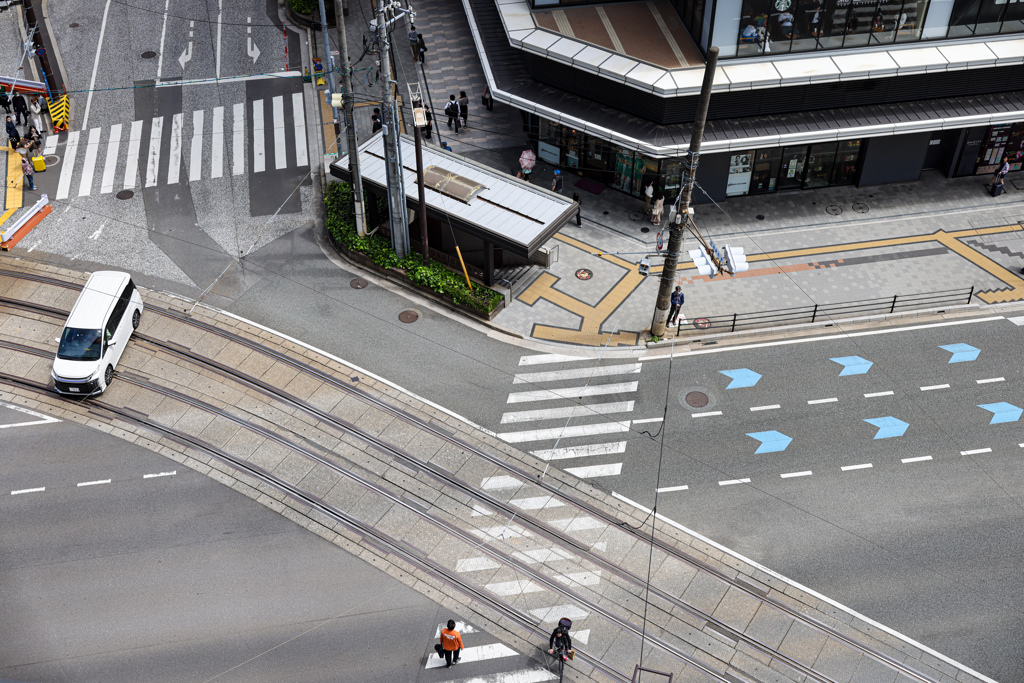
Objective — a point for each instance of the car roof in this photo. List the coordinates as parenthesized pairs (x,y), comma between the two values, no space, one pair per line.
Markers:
(97,297)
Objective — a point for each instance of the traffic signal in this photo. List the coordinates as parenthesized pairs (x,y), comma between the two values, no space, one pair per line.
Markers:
(337,101)
(705,266)
(644,267)
(735,259)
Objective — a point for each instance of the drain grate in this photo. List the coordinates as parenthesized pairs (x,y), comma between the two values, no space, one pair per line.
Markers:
(408,316)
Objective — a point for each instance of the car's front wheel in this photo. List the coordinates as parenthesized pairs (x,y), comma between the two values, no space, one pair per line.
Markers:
(108,376)
(136,316)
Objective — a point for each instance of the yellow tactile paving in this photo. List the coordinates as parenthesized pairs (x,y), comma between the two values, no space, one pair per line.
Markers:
(14,196)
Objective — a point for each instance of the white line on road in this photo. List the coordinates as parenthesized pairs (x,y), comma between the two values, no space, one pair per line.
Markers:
(590,471)
(1019,320)
(174,163)
(15,493)
(259,158)
(94,483)
(238,140)
(299,117)
(506,588)
(537,503)
(545,358)
(648,420)
(68,165)
(161,474)
(476,654)
(29,424)
(460,626)
(195,166)
(220,15)
(670,489)
(153,159)
(96,65)
(990,380)
(579,373)
(500,482)
(163,34)
(92,150)
(131,166)
(879,393)
(568,412)
(921,459)
(581,451)
(790,475)
(976,451)
(711,414)
(43,417)
(280,155)
(934,387)
(850,468)
(566,432)
(51,145)
(475,564)
(217,144)
(730,482)
(110,165)
(772,407)
(582,523)
(520,676)
(572,392)
(822,400)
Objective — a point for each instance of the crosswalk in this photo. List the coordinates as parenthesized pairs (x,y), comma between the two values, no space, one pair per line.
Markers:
(479,660)
(574,407)
(194,146)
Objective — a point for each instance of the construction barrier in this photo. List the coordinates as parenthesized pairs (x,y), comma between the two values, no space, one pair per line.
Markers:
(11,234)
(59,113)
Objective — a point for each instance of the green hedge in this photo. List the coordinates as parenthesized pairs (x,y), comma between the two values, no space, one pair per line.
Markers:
(304,6)
(435,276)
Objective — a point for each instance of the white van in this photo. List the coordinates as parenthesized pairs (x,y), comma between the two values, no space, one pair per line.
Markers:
(96,333)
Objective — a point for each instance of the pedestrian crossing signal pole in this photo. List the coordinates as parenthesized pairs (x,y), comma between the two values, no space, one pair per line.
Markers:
(675,240)
(397,211)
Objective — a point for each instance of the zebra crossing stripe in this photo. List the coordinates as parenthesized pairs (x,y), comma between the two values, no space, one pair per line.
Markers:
(70,152)
(238,141)
(549,615)
(474,564)
(217,144)
(612,470)
(299,117)
(51,145)
(500,482)
(195,166)
(580,373)
(110,165)
(259,159)
(549,358)
(460,626)
(567,412)
(579,578)
(503,589)
(131,167)
(92,150)
(153,160)
(280,156)
(536,503)
(520,676)
(174,163)
(572,392)
(476,654)
(565,432)
(581,451)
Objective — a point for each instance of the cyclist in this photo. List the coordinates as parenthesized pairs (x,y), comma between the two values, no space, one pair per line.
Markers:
(560,642)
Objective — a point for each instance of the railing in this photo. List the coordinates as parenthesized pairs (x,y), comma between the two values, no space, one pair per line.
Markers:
(825,312)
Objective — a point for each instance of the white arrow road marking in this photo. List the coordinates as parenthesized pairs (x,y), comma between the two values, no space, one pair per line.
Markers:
(251,48)
(186,56)
(476,654)
(43,418)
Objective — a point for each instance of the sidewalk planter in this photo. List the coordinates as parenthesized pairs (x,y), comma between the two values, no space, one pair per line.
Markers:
(435,280)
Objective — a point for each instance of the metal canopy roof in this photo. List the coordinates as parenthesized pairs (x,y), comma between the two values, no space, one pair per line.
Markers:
(507,212)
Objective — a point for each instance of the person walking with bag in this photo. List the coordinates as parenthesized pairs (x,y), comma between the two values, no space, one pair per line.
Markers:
(414,42)
(488,99)
(29,172)
(13,136)
(997,177)
(657,209)
(648,195)
(451,644)
(20,108)
(463,107)
(579,219)
(37,110)
(451,110)
(676,303)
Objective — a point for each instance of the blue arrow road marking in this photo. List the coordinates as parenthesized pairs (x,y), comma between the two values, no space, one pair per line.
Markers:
(1003,412)
(961,352)
(771,442)
(853,365)
(741,378)
(888,427)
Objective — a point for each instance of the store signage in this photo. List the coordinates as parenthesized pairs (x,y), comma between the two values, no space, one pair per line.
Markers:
(549,153)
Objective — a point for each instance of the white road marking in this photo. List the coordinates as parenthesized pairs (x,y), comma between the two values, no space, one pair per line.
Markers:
(520,676)
(544,555)
(572,392)
(475,564)
(220,15)
(279,129)
(16,493)
(879,393)
(92,150)
(163,34)
(536,503)
(476,654)
(921,459)
(772,407)
(976,451)
(94,483)
(580,578)
(174,163)
(582,636)
(545,358)
(1019,320)
(589,471)
(566,432)
(581,523)
(153,159)
(552,614)
(790,475)
(259,159)
(29,424)
(299,118)
(648,420)
(730,482)
(567,412)
(822,400)
(217,141)
(507,531)
(131,166)
(850,468)
(506,588)
(68,166)
(934,387)
(579,373)
(581,451)
(43,417)
(500,482)
(96,65)
(110,165)
(195,166)
(161,474)
(51,145)
(238,141)
(480,511)
(711,414)
(670,489)
(460,626)
(990,380)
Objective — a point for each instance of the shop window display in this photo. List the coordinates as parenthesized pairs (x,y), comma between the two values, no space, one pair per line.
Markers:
(985,17)
(766,170)
(819,165)
(844,172)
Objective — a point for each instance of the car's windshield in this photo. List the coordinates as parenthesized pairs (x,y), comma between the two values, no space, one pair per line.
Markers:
(79,344)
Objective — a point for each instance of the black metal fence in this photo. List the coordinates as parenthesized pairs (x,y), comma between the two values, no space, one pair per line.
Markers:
(826,312)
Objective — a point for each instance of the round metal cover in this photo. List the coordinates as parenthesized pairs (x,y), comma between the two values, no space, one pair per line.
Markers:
(358,283)
(696,399)
(833,209)
(148,54)
(759,217)
(584,274)
(635,215)
(73,24)
(125,194)
(645,229)
(701,323)
(408,316)
(860,207)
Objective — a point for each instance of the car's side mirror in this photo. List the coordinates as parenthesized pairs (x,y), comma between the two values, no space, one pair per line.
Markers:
(112,342)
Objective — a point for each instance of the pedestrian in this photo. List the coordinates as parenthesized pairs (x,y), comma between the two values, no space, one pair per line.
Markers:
(579,219)
(677,303)
(445,147)
(20,107)
(421,48)
(428,130)
(34,139)
(13,136)
(451,110)
(5,101)
(377,125)
(556,184)
(37,109)
(560,642)
(649,194)
(657,209)
(997,177)
(451,644)
(414,42)
(463,107)
(488,99)
(29,172)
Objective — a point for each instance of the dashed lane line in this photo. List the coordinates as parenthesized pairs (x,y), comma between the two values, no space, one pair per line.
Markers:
(976,451)
(37,490)
(850,468)
(94,483)
(879,393)
(670,489)
(934,387)
(822,400)
(921,459)
(730,482)
(590,471)
(790,475)
(648,420)
(711,414)
(771,407)
(990,380)
(161,474)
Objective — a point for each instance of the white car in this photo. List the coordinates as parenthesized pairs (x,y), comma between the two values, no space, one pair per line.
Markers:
(96,333)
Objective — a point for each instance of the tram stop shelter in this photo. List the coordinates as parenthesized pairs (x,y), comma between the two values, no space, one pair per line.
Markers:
(497,220)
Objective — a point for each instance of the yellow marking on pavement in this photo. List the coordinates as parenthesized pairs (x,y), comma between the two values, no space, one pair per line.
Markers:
(327,120)
(13,199)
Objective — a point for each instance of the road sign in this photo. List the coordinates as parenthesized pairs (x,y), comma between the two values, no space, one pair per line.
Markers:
(40,52)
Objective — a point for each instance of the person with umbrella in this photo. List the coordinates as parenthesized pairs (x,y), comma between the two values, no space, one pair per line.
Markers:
(527,160)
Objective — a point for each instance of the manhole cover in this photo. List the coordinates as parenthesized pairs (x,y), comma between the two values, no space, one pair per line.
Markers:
(635,215)
(73,24)
(584,274)
(696,399)
(860,207)
(408,316)
(759,217)
(605,213)
(125,194)
(645,229)
(834,209)
(358,283)
(701,323)
(148,54)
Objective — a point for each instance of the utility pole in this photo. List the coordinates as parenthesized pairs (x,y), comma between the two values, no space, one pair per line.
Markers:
(350,123)
(675,240)
(37,42)
(419,120)
(397,211)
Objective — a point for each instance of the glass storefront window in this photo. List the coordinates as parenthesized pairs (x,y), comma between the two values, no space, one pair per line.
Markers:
(671,178)
(791,175)
(623,179)
(845,170)
(985,17)
(766,170)
(819,165)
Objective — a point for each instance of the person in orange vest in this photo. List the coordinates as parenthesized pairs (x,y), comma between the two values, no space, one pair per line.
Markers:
(451,643)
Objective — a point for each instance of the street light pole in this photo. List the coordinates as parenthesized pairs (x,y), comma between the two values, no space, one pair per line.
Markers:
(675,240)
(350,123)
(37,42)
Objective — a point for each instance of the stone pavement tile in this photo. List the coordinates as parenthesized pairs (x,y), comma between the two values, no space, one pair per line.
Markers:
(209,345)
(426,534)
(374,422)
(803,643)
(255,364)
(326,397)
(303,386)
(752,668)
(705,592)
(169,371)
(293,468)
(769,626)
(872,671)
(320,481)
(400,434)
(397,522)
(278,375)
(350,408)
(345,494)
(838,661)
(370,508)
(194,420)
(220,388)
(737,608)
(219,433)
